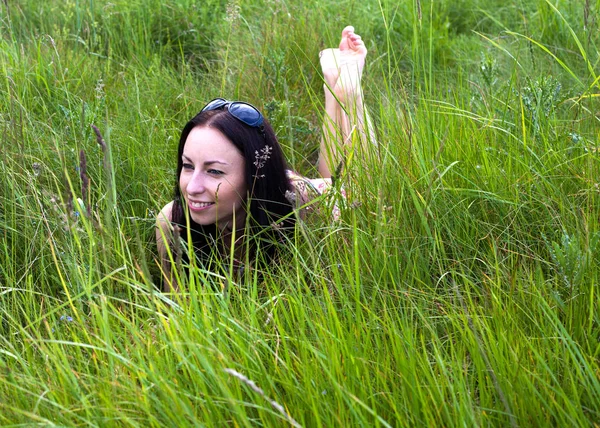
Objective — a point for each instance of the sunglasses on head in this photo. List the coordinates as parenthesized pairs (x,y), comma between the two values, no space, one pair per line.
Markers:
(242,111)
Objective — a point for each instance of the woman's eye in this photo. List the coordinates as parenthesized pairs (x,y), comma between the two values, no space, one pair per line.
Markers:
(215,172)
(188,166)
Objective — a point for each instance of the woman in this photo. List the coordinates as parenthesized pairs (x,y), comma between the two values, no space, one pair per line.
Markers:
(232,178)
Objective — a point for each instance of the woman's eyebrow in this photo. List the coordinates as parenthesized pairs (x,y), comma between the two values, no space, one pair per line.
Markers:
(209,162)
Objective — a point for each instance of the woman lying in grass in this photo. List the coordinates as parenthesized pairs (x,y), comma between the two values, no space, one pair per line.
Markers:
(233,181)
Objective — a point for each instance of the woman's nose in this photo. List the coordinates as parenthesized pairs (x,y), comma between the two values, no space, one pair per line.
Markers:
(196,184)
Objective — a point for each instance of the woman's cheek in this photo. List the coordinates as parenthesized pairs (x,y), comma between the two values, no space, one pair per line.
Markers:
(183,184)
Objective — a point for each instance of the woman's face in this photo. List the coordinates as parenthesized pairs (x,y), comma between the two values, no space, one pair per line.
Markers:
(212,179)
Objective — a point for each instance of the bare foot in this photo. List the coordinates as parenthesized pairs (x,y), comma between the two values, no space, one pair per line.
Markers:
(330,65)
(343,67)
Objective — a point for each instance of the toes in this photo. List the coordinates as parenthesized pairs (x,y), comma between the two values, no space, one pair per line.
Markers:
(358,42)
(355,42)
(350,39)
(347,31)
(351,43)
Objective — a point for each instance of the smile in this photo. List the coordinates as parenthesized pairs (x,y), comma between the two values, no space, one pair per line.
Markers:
(197,206)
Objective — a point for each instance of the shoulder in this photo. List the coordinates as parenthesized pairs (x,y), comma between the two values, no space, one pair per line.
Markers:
(165,214)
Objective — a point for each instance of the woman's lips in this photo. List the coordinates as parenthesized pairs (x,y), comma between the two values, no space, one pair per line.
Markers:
(199,206)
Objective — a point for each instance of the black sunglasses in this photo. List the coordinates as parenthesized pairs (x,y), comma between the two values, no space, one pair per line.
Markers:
(242,111)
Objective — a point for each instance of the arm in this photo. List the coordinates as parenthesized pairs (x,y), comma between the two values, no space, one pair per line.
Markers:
(164,235)
(307,190)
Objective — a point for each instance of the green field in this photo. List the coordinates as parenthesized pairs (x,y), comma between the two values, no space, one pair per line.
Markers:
(459,288)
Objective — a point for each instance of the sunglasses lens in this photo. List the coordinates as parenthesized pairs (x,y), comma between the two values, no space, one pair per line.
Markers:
(215,104)
(246,113)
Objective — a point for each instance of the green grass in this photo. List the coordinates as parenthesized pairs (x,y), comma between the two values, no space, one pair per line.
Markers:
(459,288)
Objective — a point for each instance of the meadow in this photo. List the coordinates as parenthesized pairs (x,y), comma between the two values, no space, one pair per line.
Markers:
(460,286)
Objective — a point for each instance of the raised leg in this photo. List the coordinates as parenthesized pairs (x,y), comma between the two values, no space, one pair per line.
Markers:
(346,120)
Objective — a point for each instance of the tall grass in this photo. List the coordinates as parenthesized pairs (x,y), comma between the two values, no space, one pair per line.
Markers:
(459,287)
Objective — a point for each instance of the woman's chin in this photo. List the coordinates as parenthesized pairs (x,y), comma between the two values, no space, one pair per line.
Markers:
(202,220)
(207,217)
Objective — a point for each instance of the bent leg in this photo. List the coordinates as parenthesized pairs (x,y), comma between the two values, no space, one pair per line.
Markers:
(346,119)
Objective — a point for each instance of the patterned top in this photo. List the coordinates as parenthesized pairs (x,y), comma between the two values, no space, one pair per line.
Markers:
(307,190)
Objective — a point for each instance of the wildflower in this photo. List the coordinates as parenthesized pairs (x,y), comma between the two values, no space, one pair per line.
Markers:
(52,42)
(37,168)
(260,159)
(99,89)
(99,138)
(232,13)
(63,318)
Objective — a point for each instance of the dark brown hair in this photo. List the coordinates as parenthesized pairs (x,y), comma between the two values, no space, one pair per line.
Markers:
(269,212)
